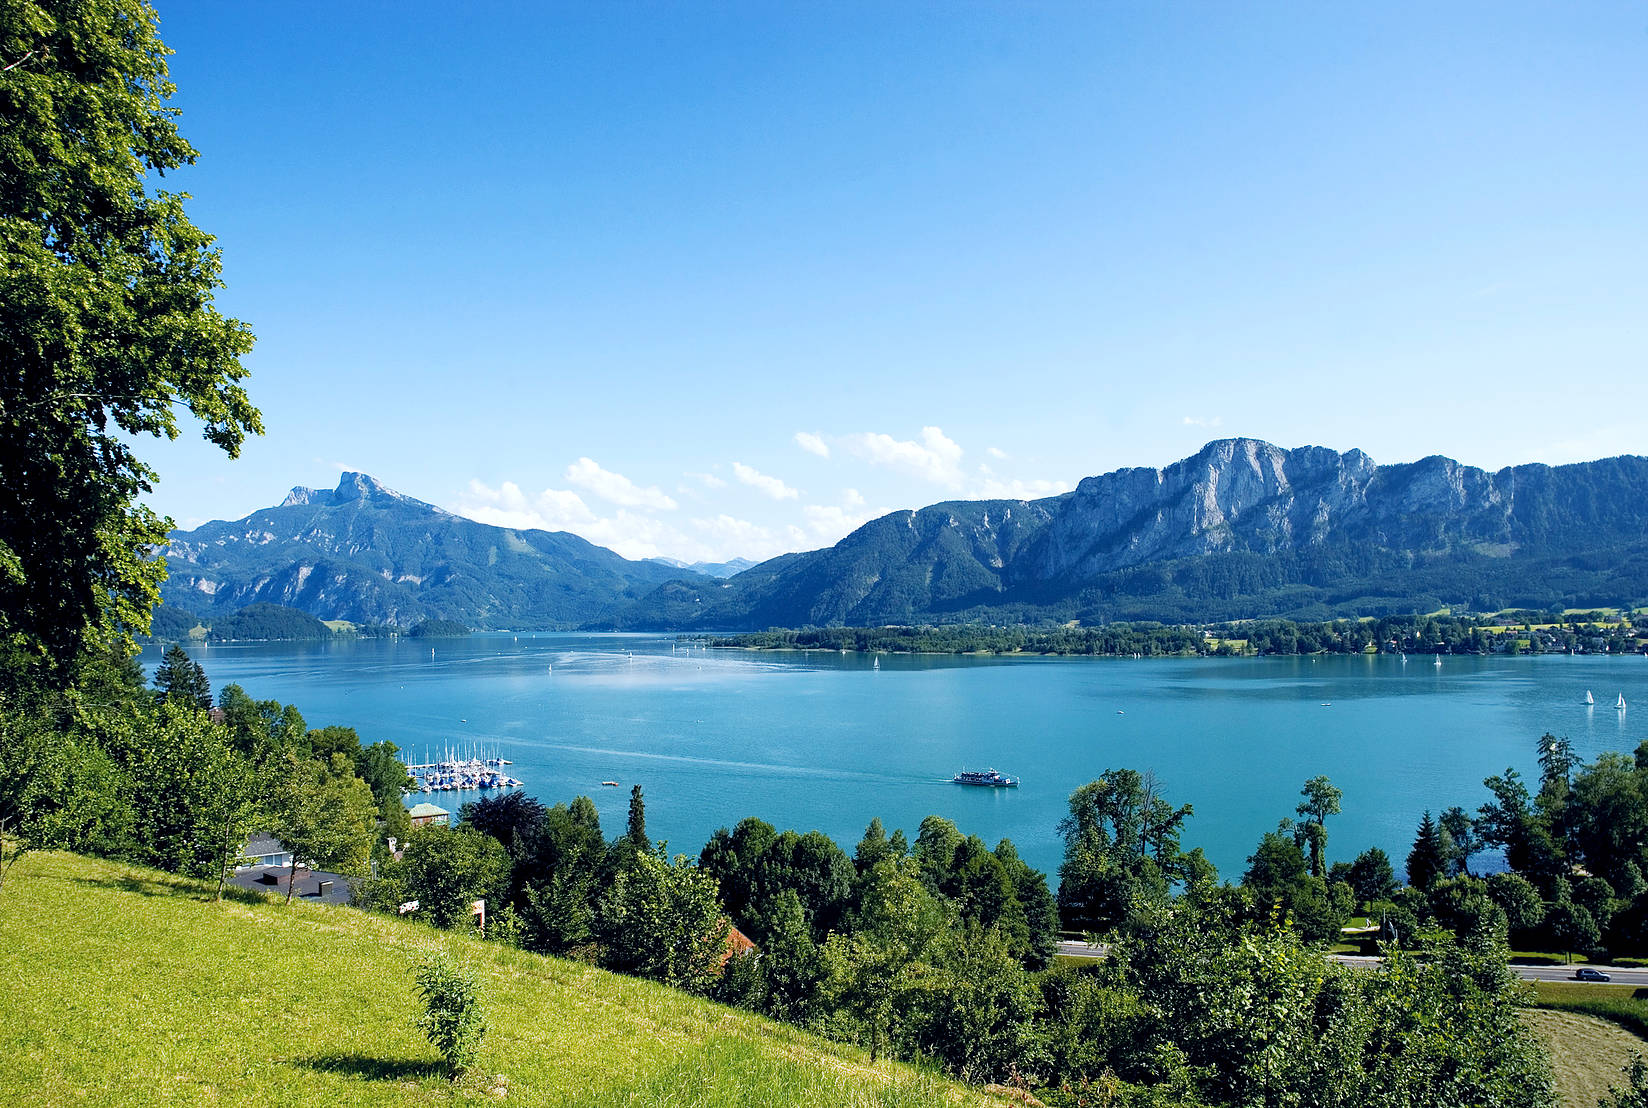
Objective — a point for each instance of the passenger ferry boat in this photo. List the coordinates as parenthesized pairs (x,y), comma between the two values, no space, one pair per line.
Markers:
(988,778)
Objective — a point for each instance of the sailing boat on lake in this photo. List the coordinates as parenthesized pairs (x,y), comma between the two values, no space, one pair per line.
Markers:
(1621,704)
(1588,700)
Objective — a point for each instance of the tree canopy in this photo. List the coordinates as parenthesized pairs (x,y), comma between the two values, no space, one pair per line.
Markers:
(107,325)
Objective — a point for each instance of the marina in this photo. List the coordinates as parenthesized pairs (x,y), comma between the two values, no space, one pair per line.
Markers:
(454,774)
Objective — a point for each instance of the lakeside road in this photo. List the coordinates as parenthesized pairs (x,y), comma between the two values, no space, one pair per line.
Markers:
(1617,975)
(1076,948)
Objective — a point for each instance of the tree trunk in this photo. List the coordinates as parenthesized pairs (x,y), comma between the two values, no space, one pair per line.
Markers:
(291,878)
(223,857)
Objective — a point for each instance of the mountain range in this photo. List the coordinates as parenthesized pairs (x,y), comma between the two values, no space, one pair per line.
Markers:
(1242,528)
(368,554)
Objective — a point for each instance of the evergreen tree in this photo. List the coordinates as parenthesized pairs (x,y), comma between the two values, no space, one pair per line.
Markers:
(179,679)
(1428,860)
(635,831)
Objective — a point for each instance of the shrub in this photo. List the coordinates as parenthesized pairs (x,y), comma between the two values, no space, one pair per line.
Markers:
(454,1017)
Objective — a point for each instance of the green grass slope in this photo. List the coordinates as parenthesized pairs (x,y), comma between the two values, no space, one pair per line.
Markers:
(125,986)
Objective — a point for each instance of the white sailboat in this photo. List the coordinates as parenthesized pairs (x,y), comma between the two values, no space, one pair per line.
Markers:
(1588,699)
(1621,704)
(1438,661)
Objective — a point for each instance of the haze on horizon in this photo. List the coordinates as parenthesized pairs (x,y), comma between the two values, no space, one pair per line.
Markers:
(721,282)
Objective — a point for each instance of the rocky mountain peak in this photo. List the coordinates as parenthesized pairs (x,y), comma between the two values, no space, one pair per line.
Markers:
(359,486)
(301,495)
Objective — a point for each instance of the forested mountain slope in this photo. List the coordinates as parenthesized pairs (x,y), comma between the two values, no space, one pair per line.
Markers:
(365,553)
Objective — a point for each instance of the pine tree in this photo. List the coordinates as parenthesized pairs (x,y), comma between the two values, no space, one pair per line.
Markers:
(180,679)
(636,831)
(1428,859)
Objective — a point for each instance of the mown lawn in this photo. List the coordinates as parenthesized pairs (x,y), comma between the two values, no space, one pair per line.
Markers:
(124,986)
(1588,1054)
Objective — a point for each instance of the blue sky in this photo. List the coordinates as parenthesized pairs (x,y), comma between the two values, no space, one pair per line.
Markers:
(709,280)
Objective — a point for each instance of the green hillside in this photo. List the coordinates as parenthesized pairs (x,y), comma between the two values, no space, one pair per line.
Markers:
(126,986)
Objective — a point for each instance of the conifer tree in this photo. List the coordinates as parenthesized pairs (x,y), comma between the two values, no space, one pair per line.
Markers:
(1428,859)
(180,679)
(636,830)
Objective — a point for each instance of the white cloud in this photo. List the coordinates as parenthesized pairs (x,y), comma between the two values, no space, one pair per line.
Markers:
(586,473)
(755,479)
(935,458)
(830,523)
(812,444)
(739,538)
(996,452)
(994,488)
(632,534)
(1198,421)
(710,480)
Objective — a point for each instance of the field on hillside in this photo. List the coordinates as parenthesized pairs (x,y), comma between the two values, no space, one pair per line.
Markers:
(1588,1054)
(124,986)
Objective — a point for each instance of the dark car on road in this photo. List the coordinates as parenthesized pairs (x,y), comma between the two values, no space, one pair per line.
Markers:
(1590,975)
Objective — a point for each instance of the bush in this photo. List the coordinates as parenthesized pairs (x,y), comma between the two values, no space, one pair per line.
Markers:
(453,1018)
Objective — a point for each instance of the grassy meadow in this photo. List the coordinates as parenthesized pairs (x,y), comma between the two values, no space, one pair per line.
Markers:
(126,986)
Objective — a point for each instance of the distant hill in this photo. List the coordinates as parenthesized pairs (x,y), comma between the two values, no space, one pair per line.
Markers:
(708,569)
(1241,529)
(269,622)
(368,554)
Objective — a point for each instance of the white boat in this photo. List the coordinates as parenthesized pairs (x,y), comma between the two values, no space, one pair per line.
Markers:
(1438,659)
(1621,704)
(1588,698)
(876,664)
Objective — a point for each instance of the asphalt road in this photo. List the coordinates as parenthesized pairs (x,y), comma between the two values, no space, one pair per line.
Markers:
(1616,975)
(1075,948)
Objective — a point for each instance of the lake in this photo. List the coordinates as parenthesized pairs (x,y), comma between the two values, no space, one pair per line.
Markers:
(828,741)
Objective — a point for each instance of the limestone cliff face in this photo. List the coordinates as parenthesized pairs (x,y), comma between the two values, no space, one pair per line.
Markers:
(1242,528)
(1236,494)
(1246,496)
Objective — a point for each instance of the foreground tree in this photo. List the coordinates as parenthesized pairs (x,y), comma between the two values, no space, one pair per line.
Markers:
(662,920)
(445,870)
(107,325)
(325,816)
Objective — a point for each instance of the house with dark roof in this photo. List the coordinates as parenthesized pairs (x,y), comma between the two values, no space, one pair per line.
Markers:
(266,867)
(309,884)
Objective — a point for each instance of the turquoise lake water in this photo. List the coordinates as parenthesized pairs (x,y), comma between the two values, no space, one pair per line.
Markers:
(827,741)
